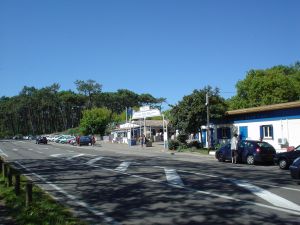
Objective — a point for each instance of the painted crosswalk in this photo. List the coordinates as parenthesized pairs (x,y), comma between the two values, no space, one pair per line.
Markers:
(173,178)
(123,166)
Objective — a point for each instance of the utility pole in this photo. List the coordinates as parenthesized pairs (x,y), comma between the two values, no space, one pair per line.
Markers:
(207,114)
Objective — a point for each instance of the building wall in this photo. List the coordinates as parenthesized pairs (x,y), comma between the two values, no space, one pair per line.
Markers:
(288,129)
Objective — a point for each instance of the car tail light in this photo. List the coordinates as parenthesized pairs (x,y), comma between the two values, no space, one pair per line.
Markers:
(258,150)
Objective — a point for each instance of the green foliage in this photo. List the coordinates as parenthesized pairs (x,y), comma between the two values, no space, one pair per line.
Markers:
(48,110)
(195,144)
(173,144)
(95,121)
(182,138)
(190,113)
(278,84)
(43,210)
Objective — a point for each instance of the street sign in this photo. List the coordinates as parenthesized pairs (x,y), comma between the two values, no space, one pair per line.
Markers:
(146,113)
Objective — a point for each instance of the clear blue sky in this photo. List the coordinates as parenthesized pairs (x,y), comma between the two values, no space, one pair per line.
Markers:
(166,48)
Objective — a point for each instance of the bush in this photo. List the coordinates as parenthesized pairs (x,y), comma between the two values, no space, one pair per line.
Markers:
(195,144)
(182,138)
(173,144)
(182,147)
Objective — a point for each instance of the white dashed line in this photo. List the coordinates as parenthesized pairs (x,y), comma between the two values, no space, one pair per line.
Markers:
(75,156)
(15,150)
(2,153)
(92,161)
(268,196)
(123,166)
(173,177)
(107,219)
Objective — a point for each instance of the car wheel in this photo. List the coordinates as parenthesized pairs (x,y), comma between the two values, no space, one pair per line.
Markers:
(220,157)
(283,164)
(250,160)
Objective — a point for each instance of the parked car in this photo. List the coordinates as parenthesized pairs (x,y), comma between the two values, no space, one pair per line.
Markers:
(84,140)
(41,139)
(285,159)
(249,152)
(295,169)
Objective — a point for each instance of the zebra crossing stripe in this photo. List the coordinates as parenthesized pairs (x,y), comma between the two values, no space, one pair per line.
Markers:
(123,167)
(92,161)
(75,156)
(268,196)
(173,177)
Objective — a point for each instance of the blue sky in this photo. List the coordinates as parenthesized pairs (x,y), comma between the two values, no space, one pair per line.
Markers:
(166,48)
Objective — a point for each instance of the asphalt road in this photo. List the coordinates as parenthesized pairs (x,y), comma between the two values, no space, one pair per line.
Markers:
(115,184)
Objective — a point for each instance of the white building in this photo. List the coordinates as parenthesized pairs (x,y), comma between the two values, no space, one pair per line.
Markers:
(277,124)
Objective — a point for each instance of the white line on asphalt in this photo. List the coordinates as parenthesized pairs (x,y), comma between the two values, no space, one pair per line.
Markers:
(14,149)
(56,155)
(123,166)
(268,196)
(262,183)
(2,153)
(107,219)
(92,161)
(173,177)
(39,152)
(30,149)
(206,193)
(75,156)
(70,151)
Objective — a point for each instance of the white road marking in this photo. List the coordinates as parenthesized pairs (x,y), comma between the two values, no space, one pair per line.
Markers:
(123,166)
(56,155)
(206,193)
(30,149)
(92,161)
(39,152)
(268,196)
(75,156)
(70,151)
(2,153)
(14,149)
(173,177)
(209,175)
(107,219)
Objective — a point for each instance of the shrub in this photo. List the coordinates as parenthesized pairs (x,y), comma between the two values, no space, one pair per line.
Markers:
(182,147)
(173,144)
(195,144)
(182,138)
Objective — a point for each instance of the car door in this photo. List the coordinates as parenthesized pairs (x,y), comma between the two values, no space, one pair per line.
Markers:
(241,150)
(295,154)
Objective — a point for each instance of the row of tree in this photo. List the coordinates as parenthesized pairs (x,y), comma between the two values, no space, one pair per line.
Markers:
(278,84)
(48,110)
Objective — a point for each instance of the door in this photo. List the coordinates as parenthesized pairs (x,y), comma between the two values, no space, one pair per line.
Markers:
(243,132)
(204,138)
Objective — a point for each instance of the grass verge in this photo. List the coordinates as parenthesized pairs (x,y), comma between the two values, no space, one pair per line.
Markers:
(44,210)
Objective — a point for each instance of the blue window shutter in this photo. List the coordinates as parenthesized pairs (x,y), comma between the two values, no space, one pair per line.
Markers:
(271,132)
(219,133)
(261,132)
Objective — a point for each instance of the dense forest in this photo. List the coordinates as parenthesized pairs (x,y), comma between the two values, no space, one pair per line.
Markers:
(48,110)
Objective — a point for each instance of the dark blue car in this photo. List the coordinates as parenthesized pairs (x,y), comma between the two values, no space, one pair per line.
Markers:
(295,169)
(85,140)
(249,152)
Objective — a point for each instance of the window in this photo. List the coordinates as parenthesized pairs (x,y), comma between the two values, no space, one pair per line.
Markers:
(266,132)
(223,133)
